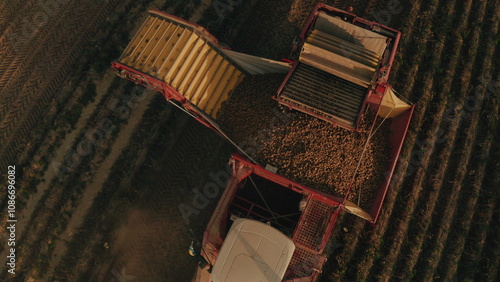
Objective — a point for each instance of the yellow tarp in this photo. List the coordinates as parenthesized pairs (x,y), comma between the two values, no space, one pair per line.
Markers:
(391,105)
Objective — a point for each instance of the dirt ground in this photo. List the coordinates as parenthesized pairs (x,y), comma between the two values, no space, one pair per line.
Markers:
(440,217)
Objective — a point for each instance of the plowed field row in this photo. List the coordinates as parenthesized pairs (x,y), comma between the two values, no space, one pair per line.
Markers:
(440,217)
(38,78)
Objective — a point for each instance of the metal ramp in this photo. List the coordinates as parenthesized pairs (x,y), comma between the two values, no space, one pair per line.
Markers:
(325,94)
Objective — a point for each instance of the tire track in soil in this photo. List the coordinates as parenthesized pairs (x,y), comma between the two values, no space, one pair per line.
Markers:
(8,10)
(13,30)
(182,170)
(54,203)
(26,216)
(349,241)
(97,183)
(40,82)
(42,59)
(421,221)
(97,239)
(23,54)
(432,258)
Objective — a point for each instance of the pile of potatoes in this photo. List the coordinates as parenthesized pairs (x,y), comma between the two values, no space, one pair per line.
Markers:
(306,149)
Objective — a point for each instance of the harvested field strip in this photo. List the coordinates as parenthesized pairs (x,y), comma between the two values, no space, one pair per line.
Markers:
(409,200)
(487,267)
(464,211)
(421,220)
(470,266)
(60,197)
(180,166)
(268,32)
(349,238)
(66,149)
(111,200)
(24,214)
(413,50)
(96,185)
(436,245)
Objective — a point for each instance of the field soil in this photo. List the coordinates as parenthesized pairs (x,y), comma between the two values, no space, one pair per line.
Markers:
(109,176)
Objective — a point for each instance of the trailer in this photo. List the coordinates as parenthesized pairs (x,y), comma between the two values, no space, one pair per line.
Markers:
(336,75)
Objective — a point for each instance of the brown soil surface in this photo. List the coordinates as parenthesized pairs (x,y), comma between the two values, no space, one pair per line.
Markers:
(448,212)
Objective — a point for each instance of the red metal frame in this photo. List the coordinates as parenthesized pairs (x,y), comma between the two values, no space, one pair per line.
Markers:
(399,125)
(382,73)
(399,128)
(242,168)
(168,91)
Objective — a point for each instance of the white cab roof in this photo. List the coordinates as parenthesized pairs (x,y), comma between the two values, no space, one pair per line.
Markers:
(253,252)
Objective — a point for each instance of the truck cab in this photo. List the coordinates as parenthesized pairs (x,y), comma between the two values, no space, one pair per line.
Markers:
(253,251)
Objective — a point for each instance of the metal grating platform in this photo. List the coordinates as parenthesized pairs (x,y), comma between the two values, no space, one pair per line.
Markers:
(304,263)
(313,224)
(323,93)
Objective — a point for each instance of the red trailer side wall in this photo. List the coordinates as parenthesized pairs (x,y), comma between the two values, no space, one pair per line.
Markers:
(399,128)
